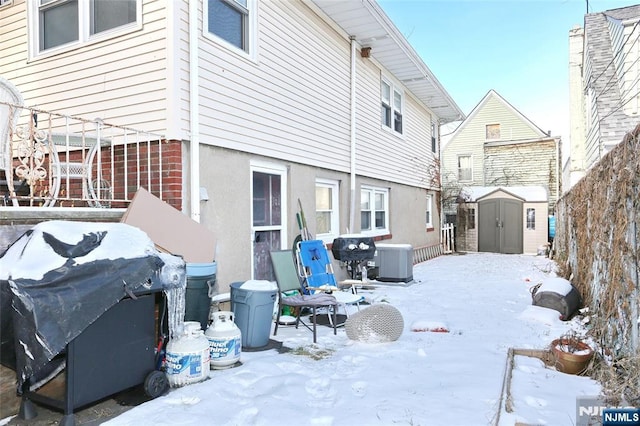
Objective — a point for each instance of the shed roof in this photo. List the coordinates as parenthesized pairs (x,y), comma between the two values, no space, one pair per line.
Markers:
(530,194)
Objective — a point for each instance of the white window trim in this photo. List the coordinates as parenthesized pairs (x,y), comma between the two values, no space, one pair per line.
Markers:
(429,223)
(84,36)
(5,3)
(458,167)
(526,219)
(252,38)
(373,231)
(335,212)
(395,88)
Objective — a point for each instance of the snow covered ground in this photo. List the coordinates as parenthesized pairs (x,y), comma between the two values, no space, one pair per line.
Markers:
(424,378)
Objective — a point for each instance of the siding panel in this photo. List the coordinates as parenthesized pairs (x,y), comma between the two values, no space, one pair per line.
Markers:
(74,82)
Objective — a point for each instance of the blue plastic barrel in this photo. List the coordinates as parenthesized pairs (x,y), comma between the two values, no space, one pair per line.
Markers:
(552,227)
(200,277)
(253,313)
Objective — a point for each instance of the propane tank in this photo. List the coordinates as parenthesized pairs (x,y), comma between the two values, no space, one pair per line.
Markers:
(187,356)
(225,340)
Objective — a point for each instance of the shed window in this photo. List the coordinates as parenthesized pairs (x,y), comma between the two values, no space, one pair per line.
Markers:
(471,218)
(531,219)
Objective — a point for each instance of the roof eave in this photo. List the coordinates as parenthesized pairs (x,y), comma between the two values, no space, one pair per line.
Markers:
(371,27)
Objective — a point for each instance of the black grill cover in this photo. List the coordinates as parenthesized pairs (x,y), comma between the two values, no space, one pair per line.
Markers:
(352,248)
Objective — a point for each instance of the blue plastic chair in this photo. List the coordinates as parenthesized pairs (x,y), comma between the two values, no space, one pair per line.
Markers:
(315,267)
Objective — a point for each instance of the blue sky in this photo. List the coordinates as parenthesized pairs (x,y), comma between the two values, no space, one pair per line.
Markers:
(518,48)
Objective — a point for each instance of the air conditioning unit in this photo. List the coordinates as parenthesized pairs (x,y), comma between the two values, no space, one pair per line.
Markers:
(394,262)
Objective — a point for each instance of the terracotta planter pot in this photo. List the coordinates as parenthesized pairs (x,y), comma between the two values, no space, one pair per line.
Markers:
(571,356)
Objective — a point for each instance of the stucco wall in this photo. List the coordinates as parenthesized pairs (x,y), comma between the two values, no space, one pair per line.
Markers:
(227,212)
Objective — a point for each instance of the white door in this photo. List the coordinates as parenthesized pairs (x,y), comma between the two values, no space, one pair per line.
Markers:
(268,217)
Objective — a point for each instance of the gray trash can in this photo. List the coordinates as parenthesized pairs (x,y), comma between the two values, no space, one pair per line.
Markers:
(201,281)
(253,310)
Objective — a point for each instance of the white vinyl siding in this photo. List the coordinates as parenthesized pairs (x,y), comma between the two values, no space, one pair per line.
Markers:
(534,238)
(122,81)
(407,158)
(289,104)
(290,101)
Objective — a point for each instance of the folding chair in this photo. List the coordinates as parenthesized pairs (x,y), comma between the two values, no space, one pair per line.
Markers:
(314,265)
(287,279)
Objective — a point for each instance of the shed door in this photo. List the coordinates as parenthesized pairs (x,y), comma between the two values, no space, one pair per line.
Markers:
(500,226)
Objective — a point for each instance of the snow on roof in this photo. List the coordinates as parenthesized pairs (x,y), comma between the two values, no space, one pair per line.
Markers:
(526,193)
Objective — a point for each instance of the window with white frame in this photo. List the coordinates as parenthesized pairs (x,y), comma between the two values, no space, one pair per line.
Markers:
(434,145)
(391,106)
(230,21)
(531,219)
(327,211)
(59,23)
(465,172)
(5,2)
(374,210)
(429,212)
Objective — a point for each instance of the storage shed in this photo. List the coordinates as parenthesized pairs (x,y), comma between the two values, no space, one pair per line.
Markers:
(503,219)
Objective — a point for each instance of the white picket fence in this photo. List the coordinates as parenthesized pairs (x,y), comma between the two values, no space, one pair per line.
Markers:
(448,238)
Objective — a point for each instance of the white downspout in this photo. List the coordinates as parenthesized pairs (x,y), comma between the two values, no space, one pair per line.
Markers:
(194,113)
(352,208)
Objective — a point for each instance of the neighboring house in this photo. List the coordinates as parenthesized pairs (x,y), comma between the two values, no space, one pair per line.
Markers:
(263,103)
(604,70)
(497,146)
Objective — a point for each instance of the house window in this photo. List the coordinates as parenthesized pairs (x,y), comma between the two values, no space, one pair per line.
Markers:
(327,213)
(433,137)
(63,22)
(429,212)
(493,131)
(391,104)
(465,173)
(374,210)
(5,2)
(230,20)
(531,219)
(471,218)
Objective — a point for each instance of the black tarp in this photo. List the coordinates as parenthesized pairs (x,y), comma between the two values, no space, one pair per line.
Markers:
(40,316)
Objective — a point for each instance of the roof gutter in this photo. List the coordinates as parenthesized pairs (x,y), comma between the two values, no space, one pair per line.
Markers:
(194,113)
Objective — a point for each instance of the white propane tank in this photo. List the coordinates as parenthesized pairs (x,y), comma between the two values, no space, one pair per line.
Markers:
(225,340)
(187,357)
